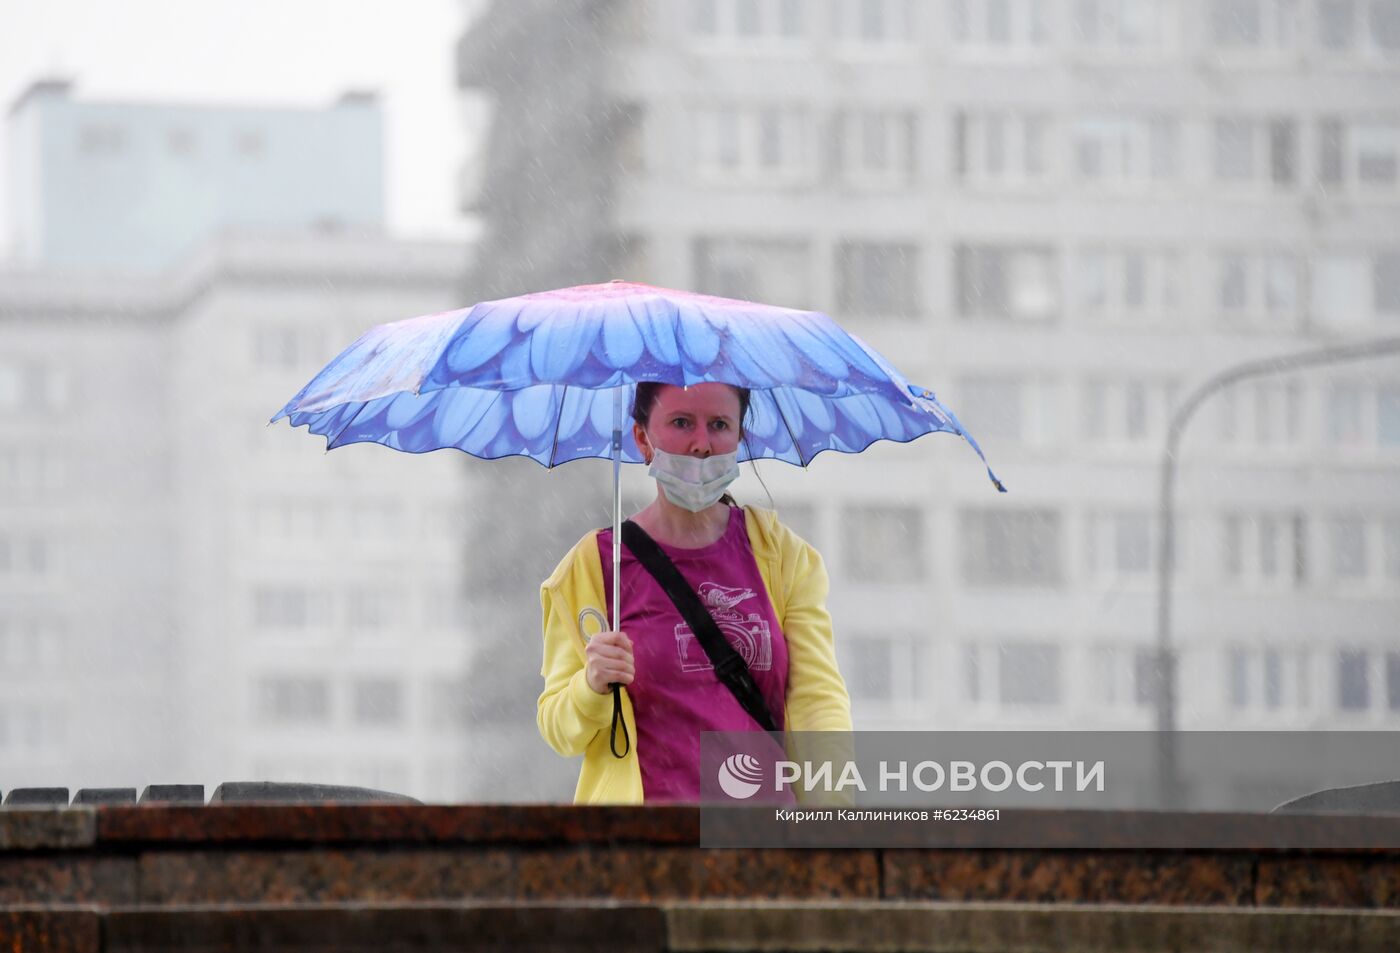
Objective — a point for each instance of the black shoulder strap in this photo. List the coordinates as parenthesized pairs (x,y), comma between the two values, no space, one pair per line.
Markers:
(729,664)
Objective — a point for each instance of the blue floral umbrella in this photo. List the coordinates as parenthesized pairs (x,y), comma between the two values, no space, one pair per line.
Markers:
(550,376)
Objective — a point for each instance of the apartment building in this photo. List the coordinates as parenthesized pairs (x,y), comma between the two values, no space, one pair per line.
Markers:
(1064,217)
(186,594)
(128,187)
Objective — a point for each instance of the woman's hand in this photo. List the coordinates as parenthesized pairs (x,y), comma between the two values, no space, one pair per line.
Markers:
(609,657)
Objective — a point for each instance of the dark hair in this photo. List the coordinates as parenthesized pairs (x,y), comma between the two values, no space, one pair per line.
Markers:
(648,391)
(645,400)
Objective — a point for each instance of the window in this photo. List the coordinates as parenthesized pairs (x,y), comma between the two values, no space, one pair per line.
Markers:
(1362,551)
(1123,26)
(802,519)
(30,467)
(886,669)
(1392,680)
(288,607)
(973,677)
(1257,151)
(1010,547)
(1359,155)
(290,519)
(1239,694)
(768,145)
(1000,149)
(1011,283)
(1127,412)
(1347,541)
(370,610)
(1254,25)
(877,279)
(774,272)
(181,141)
(1265,550)
(376,519)
(1118,545)
(883,544)
(1261,414)
(873,670)
(1369,28)
(1344,425)
(30,644)
(1119,151)
(32,386)
(1257,286)
(1358,289)
(1385,283)
(250,143)
(35,728)
(1390,547)
(1007,408)
(25,555)
(1267,678)
(867,24)
(1001,25)
(1388,416)
(1028,673)
(1336,24)
(1383,23)
(1012,673)
(1353,680)
(101,139)
(877,148)
(994,408)
(735,22)
(378,702)
(1123,677)
(1376,154)
(301,700)
(1127,285)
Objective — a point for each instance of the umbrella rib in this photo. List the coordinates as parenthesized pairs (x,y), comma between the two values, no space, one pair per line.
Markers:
(353,417)
(788,427)
(558,420)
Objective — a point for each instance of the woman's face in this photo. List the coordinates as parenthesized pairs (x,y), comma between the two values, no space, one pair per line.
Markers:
(695,421)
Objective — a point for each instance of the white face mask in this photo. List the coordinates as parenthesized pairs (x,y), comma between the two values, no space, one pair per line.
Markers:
(694,483)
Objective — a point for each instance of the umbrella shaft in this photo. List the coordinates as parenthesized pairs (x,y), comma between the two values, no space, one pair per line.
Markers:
(619,407)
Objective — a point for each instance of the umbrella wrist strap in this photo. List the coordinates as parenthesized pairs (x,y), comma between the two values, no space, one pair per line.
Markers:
(617,719)
(729,664)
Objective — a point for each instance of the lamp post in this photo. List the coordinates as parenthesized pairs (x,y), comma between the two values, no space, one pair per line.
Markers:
(1165,694)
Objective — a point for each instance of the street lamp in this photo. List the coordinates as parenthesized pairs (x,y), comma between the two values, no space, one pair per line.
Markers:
(1165,694)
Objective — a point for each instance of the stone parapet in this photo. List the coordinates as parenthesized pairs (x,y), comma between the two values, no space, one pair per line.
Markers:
(351,877)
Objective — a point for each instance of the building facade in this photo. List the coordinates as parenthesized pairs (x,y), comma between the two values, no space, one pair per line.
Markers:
(125,187)
(188,595)
(1064,217)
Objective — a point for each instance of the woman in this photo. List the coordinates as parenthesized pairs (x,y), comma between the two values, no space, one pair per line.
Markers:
(762,584)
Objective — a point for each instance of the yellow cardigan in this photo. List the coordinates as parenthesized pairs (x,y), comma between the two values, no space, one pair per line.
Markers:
(574,719)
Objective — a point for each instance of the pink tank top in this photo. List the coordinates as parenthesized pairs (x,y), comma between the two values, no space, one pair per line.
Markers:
(675,694)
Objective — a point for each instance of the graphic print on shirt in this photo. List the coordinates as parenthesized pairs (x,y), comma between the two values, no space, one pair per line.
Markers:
(748,634)
(584,615)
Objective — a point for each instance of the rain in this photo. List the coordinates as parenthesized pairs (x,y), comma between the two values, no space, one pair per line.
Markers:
(1130,244)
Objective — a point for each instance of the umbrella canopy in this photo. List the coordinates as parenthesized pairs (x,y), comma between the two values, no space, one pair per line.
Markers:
(539,375)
